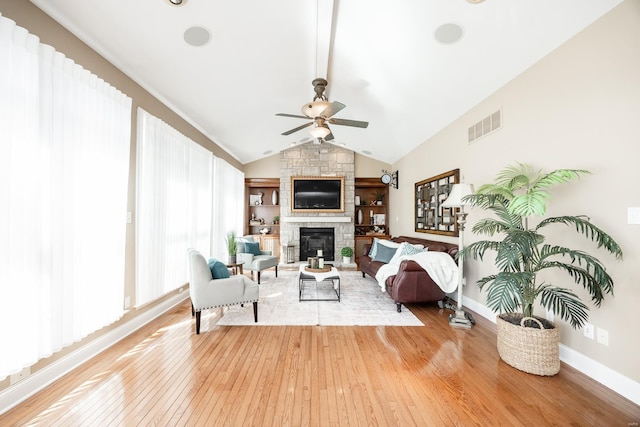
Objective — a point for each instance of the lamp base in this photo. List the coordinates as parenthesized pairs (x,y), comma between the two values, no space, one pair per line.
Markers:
(459,319)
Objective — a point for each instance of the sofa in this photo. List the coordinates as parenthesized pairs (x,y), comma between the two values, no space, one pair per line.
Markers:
(411,284)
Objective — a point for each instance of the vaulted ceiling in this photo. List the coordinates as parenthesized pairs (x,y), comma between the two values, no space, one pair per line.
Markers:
(408,67)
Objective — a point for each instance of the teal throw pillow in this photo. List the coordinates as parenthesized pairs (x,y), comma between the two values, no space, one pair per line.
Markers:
(252,248)
(218,269)
(374,248)
(384,254)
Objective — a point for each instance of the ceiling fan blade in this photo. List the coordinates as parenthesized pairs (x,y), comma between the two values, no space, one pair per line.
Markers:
(333,108)
(291,115)
(289,132)
(345,122)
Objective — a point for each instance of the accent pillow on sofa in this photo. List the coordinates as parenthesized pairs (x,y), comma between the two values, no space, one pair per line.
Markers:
(384,253)
(252,248)
(406,249)
(376,242)
(218,269)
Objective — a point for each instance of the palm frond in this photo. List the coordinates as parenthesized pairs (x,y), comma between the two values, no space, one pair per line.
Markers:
(490,226)
(504,294)
(597,282)
(587,229)
(566,304)
(476,250)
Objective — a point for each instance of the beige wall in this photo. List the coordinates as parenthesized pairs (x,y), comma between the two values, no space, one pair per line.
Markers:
(577,108)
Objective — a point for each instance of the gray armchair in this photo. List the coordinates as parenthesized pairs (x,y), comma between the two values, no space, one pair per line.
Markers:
(207,292)
(254,258)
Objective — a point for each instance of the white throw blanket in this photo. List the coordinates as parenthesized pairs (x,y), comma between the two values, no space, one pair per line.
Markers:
(439,265)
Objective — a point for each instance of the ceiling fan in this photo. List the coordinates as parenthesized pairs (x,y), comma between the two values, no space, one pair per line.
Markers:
(320,110)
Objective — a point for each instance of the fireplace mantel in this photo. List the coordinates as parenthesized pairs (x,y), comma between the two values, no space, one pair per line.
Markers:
(307,219)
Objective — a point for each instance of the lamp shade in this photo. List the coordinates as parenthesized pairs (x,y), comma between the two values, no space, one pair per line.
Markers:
(320,131)
(458,191)
(314,109)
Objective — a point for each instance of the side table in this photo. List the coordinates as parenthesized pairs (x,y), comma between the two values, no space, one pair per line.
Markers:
(236,267)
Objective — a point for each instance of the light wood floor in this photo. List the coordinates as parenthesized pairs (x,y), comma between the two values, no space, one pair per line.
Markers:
(166,375)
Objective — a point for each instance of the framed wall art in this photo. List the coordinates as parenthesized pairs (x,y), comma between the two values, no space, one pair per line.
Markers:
(430,194)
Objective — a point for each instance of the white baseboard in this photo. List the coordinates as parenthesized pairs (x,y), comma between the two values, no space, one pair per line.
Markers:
(19,392)
(593,369)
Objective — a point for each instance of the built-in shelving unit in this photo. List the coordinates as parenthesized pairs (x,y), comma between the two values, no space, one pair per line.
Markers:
(262,215)
(371,215)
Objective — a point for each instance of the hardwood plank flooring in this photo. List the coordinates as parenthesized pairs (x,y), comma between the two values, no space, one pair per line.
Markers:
(434,375)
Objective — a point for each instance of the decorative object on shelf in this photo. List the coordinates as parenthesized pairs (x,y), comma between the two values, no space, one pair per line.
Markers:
(389,178)
(260,196)
(379,196)
(264,230)
(254,199)
(276,219)
(360,216)
(430,194)
(232,247)
(346,253)
(274,197)
(357,201)
(518,193)
(460,319)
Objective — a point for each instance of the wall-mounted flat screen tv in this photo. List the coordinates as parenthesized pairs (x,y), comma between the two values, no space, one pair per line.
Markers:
(317,194)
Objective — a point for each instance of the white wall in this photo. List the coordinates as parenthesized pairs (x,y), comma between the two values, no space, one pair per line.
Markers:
(577,108)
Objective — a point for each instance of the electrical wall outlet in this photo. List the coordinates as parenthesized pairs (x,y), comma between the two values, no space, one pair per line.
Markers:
(603,336)
(588,330)
(19,376)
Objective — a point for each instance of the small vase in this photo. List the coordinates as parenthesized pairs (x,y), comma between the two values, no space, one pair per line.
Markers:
(360,218)
(274,197)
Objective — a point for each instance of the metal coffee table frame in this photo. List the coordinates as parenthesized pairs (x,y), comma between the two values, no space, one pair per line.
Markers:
(307,276)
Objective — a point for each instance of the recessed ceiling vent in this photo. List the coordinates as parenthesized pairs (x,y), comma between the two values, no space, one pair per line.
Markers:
(485,126)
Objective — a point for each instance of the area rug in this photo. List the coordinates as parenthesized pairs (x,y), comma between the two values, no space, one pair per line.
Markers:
(361,304)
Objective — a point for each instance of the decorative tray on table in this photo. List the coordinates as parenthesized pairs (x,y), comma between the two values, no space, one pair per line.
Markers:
(326,269)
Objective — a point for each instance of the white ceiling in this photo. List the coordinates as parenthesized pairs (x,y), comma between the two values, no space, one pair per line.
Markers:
(383,63)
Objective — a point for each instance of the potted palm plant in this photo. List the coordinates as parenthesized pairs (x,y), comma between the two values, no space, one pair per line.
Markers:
(519,194)
(232,246)
(346,253)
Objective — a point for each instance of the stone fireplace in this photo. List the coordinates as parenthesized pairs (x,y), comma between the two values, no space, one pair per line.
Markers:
(317,160)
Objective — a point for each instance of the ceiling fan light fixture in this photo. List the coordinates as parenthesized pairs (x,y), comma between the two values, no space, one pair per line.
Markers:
(313,109)
(177,2)
(320,132)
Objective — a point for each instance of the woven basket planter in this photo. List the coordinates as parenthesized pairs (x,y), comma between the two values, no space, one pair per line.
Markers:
(532,350)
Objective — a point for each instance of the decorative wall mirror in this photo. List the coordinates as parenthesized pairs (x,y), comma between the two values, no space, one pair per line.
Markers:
(430,194)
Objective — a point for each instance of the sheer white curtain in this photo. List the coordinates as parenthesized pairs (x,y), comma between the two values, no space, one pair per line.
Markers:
(64,165)
(173,206)
(228,205)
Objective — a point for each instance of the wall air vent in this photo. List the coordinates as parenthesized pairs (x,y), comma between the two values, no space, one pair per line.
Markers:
(485,126)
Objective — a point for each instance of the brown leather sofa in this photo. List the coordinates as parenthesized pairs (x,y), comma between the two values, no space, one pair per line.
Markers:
(411,284)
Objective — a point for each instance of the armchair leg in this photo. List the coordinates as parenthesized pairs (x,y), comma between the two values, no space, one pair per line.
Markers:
(258,277)
(276,271)
(399,307)
(255,311)
(198,314)
(193,312)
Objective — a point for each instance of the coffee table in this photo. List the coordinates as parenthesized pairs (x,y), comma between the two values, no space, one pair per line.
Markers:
(311,278)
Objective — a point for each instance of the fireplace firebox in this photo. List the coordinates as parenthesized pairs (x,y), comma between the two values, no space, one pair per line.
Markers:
(313,239)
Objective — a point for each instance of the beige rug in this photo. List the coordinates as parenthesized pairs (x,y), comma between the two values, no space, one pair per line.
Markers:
(361,304)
